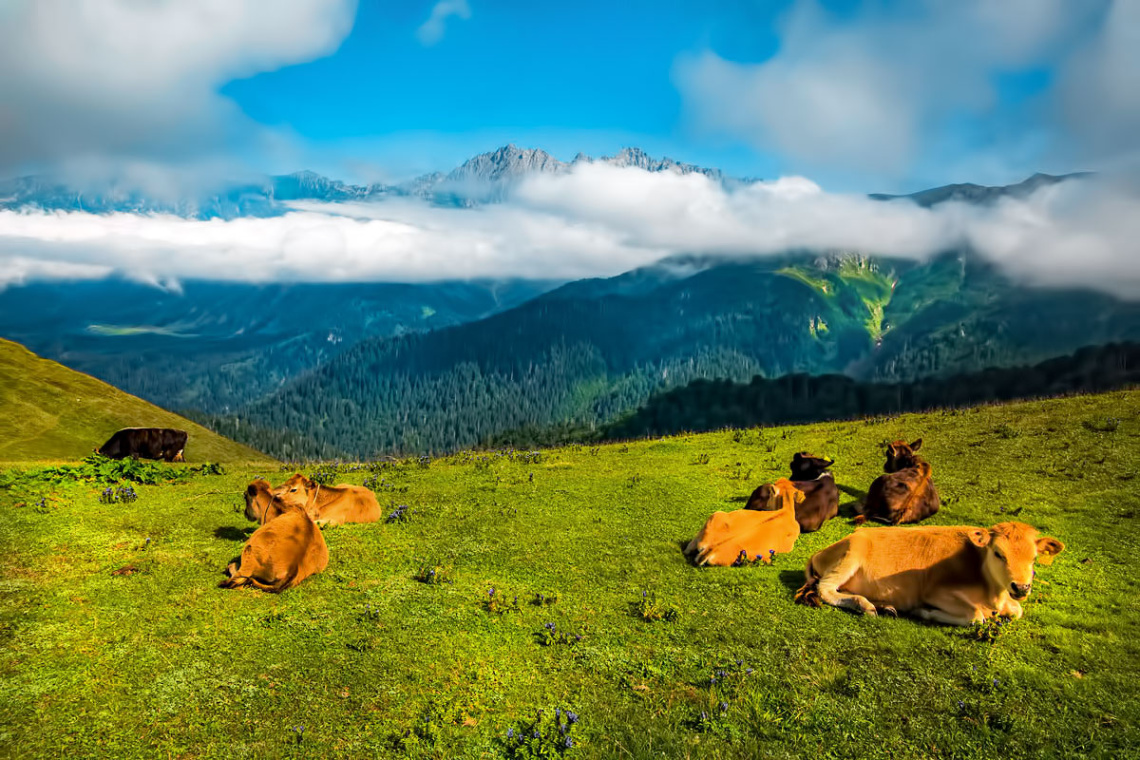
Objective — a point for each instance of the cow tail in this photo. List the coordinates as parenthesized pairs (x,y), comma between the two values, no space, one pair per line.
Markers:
(808,594)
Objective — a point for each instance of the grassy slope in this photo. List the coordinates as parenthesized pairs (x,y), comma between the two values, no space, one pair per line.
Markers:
(48,411)
(164,664)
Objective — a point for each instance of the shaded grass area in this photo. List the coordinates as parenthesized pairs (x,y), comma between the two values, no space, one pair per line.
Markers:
(372,659)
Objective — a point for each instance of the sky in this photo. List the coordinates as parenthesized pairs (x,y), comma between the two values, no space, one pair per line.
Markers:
(819,101)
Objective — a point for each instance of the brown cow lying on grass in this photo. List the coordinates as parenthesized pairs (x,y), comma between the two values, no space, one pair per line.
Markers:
(821,496)
(285,550)
(728,536)
(327,505)
(905,492)
(260,506)
(958,575)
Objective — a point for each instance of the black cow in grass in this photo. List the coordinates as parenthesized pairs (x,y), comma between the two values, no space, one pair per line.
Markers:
(146,443)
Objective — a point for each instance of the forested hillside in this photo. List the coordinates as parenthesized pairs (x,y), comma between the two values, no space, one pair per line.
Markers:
(590,351)
(715,404)
(213,346)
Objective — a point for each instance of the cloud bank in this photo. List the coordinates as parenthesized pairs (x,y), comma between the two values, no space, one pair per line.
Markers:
(596,220)
(100,78)
(891,90)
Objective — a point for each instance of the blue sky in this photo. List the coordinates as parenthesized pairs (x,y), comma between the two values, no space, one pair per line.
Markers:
(597,76)
(858,95)
(591,76)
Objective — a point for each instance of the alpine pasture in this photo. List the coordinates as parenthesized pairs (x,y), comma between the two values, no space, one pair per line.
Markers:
(507,583)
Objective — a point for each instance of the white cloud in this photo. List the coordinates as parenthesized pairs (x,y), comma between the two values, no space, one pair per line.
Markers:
(122,77)
(892,87)
(596,220)
(433,29)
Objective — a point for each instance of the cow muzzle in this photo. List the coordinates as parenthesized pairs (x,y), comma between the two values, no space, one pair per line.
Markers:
(1019,590)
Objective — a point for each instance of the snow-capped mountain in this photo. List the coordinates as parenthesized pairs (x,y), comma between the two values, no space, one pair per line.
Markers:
(484,178)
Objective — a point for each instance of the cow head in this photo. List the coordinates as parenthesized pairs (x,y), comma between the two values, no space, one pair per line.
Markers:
(297,491)
(808,467)
(901,455)
(1008,552)
(260,506)
(785,494)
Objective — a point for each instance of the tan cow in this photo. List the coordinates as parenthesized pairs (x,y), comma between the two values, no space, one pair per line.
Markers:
(280,554)
(957,575)
(260,504)
(749,534)
(329,505)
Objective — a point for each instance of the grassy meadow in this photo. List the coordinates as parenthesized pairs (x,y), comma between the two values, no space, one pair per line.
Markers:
(115,641)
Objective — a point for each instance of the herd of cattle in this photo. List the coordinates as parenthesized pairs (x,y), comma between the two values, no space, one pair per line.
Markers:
(956,575)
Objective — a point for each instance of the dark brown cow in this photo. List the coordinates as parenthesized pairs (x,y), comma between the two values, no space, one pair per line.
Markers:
(905,492)
(821,496)
(146,443)
(280,554)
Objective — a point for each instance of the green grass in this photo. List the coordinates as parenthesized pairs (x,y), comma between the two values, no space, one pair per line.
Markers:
(373,662)
(50,412)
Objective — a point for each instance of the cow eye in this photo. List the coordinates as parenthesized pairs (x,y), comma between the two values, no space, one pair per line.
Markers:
(1000,556)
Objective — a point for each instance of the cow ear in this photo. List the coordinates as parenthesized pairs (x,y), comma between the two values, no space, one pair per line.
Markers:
(797,456)
(916,445)
(829,462)
(980,537)
(1048,548)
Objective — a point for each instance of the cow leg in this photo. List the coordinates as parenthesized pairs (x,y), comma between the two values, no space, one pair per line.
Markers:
(935,615)
(951,608)
(1010,608)
(829,587)
(178,457)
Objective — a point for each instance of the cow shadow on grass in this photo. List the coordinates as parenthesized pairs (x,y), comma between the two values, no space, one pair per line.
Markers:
(850,508)
(791,579)
(230,533)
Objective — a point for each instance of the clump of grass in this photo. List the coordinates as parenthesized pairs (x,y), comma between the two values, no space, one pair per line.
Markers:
(702,458)
(434,574)
(1102,424)
(401,514)
(549,635)
(121,495)
(989,630)
(651,609)
(1006,431)
(543,599)
(743,561)
(499,604)
(539,738)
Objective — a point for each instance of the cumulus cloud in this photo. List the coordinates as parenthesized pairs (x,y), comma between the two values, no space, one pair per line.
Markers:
(892,86)
(596,220)
(128,78)
(433,29)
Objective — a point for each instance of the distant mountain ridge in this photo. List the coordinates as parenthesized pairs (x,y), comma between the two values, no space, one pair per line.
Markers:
(968,192)
(485,178)
(482,178)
